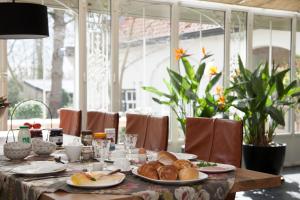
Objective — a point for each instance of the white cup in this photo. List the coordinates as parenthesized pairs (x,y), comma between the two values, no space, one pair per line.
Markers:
(122,163)
(73,152)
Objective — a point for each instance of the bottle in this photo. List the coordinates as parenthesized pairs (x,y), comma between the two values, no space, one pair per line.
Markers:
(56,136)
(111,135)
(24,135)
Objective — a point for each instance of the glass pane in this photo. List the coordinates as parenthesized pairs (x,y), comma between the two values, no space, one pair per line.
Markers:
(272,43)
(98,55)
(43,69)
(202,28)
(297,123)
(238,40)
(144,55)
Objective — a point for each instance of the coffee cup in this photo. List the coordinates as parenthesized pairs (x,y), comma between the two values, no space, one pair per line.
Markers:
(73,152)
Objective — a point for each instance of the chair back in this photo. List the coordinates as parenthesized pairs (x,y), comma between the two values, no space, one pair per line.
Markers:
(215,140)
(152,131)
(70,121)
(99,121)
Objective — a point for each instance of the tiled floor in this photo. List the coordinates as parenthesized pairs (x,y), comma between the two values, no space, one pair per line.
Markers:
(290,189)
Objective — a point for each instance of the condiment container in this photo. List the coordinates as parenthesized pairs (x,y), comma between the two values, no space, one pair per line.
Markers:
(86,137)
(24,135)
(111,135)
(56,136)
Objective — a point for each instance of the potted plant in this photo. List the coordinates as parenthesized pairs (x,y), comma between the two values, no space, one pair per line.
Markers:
(264,99)
(183,90)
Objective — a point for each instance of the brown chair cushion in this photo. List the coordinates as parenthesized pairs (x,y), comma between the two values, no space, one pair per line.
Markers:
(152,131)
(99,121)
(215,140)
(70,121)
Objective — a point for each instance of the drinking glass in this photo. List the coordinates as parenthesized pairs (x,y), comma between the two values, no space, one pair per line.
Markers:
(130,142)
(101,149)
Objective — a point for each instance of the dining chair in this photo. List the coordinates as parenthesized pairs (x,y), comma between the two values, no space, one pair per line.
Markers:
(98,121)
(70,121)
(152,131)
(215,140)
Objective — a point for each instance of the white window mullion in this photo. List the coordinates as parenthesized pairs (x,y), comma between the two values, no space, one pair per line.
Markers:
(249,36)
(115,96)
(175,134)
(293,74)
(226,70)
(3,80)
(82,61)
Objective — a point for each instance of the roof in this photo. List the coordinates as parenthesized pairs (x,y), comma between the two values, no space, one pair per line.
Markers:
(45,85)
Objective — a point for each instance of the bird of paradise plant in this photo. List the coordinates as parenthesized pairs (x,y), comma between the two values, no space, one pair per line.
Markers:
(183,90)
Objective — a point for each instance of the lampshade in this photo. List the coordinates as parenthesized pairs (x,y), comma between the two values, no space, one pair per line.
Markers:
(23,21)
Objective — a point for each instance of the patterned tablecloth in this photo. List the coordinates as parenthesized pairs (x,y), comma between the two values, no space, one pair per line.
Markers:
(13,187)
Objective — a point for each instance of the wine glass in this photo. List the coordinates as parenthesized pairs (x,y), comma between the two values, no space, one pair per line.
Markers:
(130,141)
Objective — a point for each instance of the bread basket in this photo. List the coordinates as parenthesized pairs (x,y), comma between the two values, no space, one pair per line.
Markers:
(16,150)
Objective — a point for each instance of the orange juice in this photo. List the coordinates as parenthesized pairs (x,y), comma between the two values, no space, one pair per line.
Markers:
(99,135)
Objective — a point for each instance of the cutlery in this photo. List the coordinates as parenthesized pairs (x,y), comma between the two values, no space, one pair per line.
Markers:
(108,174)
(44,177)
(58,160)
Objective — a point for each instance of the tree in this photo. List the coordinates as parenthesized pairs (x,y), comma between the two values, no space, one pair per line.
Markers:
(59,33)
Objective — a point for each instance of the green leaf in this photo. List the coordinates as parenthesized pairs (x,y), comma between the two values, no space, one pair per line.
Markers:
(276,115)
(189,70)
(242,68)
(212,82)
(291,86)
(155,91)
(200,72)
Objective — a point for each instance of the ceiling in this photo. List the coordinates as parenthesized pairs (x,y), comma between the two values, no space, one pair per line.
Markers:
(288,5)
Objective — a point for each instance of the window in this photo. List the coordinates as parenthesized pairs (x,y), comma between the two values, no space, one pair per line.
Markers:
(98,55)
(238,38)
(128,99)
(144,55)
(202,28)
(43,69)
(272,43)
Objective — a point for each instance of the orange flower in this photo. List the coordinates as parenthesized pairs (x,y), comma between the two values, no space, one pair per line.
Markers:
(203,51)
(219,90)
(179,53)
(213,70)
(221,100)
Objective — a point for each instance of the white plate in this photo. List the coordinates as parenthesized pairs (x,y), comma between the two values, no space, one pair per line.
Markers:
(220,168)
(201,177)
(185,156)
(101,184)
(40,168)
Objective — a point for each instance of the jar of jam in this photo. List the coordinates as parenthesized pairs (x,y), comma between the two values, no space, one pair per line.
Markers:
(36,133)
(86,137)
(87,153)
(56,136)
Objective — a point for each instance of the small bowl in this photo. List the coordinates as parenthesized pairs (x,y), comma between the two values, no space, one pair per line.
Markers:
(42,148)
(16,150)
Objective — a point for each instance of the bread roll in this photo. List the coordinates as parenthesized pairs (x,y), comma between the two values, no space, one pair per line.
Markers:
(188,174)
(166,158)
(181,164)
(168,172)
(148,170)
(155,164)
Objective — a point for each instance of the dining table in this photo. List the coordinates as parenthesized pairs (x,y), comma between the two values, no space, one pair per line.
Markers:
(238,180)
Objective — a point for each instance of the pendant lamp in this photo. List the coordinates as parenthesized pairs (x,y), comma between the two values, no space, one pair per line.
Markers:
(23,21)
